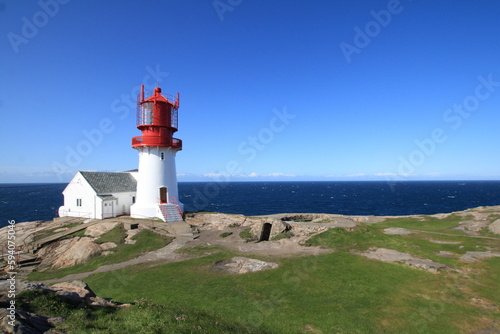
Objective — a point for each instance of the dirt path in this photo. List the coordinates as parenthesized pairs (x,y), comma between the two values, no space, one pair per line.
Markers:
(165,254)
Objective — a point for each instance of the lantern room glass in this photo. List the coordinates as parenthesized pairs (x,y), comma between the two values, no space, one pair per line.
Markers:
(147,113)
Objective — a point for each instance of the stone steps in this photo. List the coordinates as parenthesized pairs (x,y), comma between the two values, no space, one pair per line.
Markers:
(170,212)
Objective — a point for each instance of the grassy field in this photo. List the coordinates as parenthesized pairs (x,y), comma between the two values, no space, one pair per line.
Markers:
(337,292)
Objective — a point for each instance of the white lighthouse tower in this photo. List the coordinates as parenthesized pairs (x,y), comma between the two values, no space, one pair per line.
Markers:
(157,195)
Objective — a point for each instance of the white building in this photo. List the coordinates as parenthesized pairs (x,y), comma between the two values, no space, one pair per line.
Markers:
(99,195)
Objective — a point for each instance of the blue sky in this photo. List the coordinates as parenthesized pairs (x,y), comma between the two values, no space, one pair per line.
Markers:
(270,90)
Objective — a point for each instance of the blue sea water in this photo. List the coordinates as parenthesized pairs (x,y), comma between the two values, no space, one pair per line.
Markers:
(28,202)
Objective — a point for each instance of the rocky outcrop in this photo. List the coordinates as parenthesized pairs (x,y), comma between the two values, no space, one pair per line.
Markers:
(444,242)
(218,221)
(28,232)
(25,232)
(129,239)
(107,245)
(81,289)
(472,226)
(475,256)
(397,231)
(68,252)
(446,254)
(75,292)
(495,227)
(80,252)
(95,231)
(80,292)
(276,227)
(243,265)
(49,253)
(390,255)
(25,322)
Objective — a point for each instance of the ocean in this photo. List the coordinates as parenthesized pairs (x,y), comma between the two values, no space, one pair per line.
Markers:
(28,202)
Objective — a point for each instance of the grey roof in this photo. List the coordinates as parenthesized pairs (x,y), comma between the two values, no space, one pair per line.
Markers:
(112,182)
(106,197)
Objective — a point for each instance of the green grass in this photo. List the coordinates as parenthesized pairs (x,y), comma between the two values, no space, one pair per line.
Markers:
(246,235)
(485,282)
(426,223)
(371,235)
(116,235)
(146,241)
(332,293)
(142,317)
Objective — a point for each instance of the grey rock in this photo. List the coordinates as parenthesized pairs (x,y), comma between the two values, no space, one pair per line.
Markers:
(24,322)
(242,265)
(68,252)
(475,256)
(446,254)
(444,242)
(495,227)
(79,252)
(78,287)
(397,231)
(390,255)
(107,245)
(97,230)
(426,264)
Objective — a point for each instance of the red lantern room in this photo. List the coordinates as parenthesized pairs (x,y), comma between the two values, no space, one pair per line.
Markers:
(157,120)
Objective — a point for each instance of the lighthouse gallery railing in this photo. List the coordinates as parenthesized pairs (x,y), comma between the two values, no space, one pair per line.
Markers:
(158,141)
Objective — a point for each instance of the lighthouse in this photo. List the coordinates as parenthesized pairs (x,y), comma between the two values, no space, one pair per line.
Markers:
(157,195)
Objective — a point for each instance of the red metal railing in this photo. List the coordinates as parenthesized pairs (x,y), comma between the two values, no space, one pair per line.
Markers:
(157,141)
(174,201)
(144,117)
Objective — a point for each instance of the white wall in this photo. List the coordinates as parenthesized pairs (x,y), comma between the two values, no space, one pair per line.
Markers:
(92,205)
(154,172)
(78,188)
(124,202)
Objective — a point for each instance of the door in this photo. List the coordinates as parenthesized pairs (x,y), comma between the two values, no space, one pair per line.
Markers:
(266,232)
(108,209)
(163,195)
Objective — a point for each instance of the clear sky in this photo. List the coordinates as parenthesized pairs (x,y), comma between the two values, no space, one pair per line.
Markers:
(270,90)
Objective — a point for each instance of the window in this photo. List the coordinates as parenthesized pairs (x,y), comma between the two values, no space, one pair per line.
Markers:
(147,113)
(162,156)
(78,202)
(133,199)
